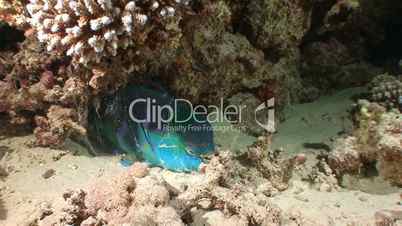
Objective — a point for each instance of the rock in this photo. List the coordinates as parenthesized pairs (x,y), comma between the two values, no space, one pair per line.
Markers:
(301,198)
(150,191)
(216,218)
(73,166)
(387,217)
(377,139)
(299,187)
(216,63)
(139,170)
(91,221)
(324,187)
(48,173)
(168,216)
(300,159)
(267,189)
(363,199)
(3,172)
(59,155)
(45,209)
(177,182)
(329,64)
(298,190)
(345,157)
(277,25)
(110,197)
(205,203)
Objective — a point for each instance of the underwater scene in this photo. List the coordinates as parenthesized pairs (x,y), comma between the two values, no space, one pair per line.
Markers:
(200,112)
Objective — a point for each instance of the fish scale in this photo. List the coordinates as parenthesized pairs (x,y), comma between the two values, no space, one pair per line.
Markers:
(111,128)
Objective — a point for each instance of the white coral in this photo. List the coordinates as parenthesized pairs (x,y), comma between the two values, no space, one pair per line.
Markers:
(91,29)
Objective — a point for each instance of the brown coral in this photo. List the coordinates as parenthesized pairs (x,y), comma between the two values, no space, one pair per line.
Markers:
(53,130)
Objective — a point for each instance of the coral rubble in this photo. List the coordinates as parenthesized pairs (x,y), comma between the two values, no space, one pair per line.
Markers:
(377,141)
(155,197)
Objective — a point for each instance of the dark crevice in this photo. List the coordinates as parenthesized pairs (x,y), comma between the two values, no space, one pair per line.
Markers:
(318,14)
(370,169)
(10,37)
(391,47)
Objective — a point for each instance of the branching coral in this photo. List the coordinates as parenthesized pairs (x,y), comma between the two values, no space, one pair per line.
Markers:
(12,12)
(91,29)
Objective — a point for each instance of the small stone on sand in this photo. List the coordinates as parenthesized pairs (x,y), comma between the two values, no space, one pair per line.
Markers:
(363,198)
(48,173)
(139,169)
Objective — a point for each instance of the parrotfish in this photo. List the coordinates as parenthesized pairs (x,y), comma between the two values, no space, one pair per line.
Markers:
(131,122)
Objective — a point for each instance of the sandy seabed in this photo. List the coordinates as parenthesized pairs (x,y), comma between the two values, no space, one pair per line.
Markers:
(33,176)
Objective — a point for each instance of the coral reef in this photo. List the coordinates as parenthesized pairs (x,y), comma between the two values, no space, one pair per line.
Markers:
(36,83)
(244,52)
(89,30)
(377,141)
(277,26)
(331,64)
(386,90)
(349,43)
(211,55)
(202,51)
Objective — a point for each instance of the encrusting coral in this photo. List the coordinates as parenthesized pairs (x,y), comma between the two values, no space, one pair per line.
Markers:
(277,25)
(56,127)
(386,90)
(36,83)
(151,196)
(377,140)
(88,30)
